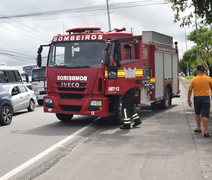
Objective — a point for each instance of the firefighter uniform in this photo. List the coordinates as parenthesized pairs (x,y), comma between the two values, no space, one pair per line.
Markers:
(128,110)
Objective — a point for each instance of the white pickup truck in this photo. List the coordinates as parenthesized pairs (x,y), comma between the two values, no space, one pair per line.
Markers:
(38,83)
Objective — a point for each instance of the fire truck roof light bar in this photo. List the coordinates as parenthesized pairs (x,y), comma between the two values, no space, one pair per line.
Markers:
(83,30)
(128,39)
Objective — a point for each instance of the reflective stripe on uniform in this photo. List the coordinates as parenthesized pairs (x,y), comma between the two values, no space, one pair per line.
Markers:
(125,114)
(126,119)
(135,116)
(127,122)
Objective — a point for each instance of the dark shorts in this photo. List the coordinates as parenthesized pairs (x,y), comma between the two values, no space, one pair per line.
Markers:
(202,105)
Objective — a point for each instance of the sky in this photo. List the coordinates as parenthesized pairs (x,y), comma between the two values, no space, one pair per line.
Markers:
(31,23)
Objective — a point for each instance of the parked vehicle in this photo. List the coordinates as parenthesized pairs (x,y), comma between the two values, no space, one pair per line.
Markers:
(6,107)
(21,96)
(38,83)
(29,85)
(10,75)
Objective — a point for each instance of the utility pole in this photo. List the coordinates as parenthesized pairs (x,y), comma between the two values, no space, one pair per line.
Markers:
(108,15)
(197,42)
(185,39)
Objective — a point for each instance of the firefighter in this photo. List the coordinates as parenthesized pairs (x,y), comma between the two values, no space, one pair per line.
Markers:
(128,110)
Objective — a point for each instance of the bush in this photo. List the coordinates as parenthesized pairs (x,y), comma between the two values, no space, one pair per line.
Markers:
(194,73)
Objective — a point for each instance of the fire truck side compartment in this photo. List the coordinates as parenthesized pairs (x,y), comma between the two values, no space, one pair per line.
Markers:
(165,63)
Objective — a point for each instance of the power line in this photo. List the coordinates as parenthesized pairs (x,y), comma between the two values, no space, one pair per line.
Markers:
(22,25)
(19,57)
(23,34)
(89,9)
(3,45)
(19,54)
(117,14)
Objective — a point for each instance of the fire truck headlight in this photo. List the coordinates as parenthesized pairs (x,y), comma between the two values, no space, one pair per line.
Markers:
(45,84)
(48,100)
(96,103)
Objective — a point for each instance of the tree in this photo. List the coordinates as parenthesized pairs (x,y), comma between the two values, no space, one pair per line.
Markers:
(189,58)
(202,8)
(204,39)
(183,66)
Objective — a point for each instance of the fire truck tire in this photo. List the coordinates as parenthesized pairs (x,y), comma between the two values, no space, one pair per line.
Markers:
(155,106)
(64,117)
(40,102)
(118,118)
(167,99)
(164,104)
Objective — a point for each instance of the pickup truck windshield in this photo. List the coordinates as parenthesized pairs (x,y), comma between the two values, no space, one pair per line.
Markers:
(80,54)
(38,74)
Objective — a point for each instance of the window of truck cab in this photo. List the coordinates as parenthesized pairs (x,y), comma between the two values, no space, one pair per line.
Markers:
(129,52)
(76,54)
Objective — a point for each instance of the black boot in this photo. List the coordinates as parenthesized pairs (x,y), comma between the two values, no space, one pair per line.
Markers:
(137,122)
(125,126)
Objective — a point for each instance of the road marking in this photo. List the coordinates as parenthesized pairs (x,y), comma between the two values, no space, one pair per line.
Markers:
(44,153)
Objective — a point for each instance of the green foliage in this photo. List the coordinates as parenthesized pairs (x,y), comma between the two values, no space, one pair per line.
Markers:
(194,73)
(202,8)
(182,65)
(204,38)
(189,56)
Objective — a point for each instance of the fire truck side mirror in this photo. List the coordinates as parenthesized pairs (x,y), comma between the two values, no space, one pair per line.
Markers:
(107,54)
(39,60)
(106,58)
(40,49)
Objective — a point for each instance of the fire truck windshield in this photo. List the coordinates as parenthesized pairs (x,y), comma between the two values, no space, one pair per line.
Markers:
(76,54)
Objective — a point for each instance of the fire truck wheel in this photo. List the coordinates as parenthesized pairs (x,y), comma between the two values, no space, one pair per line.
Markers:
(166,101)
(164,104)
(118,119)
(155,106)
(64,117)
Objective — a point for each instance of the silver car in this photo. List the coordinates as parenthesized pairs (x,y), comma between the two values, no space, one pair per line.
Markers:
(21,96)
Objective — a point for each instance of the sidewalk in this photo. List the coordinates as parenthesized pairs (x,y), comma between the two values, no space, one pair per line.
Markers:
(164,147)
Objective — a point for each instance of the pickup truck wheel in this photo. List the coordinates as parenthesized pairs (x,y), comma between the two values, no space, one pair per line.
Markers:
(31,106)
(6,115)
(118,119)
(40,102)
(64,117)
(166,101)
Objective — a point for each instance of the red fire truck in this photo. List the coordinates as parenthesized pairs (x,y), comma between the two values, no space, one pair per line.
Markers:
(88,72)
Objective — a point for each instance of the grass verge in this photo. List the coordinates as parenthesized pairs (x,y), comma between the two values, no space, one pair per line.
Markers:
(188,78)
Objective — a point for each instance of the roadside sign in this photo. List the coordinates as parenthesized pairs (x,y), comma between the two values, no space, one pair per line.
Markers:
(28,70)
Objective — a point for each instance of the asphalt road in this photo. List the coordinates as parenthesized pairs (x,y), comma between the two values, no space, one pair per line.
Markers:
(31,133)
(164,147)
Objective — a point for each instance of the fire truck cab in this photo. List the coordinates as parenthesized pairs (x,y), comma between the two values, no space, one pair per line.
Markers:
(88,72)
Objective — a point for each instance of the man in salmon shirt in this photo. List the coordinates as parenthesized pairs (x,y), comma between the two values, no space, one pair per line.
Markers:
(201,85)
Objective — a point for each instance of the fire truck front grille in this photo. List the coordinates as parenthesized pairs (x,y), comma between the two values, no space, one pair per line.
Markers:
(71,96)
(71,89)
(68,108)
